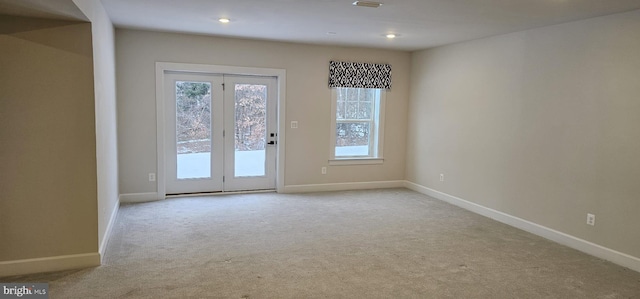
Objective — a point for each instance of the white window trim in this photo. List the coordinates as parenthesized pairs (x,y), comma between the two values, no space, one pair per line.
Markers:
(356,161)
(378,157)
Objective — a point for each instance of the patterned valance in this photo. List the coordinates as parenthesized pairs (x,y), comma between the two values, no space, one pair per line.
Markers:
(359,75)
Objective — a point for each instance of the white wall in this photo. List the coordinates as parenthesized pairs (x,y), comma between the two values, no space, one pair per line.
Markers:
(308,101)
(541,124)
(103,40)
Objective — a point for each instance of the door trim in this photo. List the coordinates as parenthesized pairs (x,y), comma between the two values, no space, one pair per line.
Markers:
(163,67)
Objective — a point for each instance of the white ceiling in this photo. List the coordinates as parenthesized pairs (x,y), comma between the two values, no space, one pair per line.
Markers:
(420,23)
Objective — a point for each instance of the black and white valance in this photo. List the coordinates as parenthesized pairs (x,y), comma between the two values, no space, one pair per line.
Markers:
(359,75)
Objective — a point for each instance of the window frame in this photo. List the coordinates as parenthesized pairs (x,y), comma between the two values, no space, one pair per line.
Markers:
(376,132)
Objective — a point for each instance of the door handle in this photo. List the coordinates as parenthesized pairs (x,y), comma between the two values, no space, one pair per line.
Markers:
(271,142)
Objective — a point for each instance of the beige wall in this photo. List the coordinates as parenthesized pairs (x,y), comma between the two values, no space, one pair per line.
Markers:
(542,124)
(103,40)
(47,134)
(308,101)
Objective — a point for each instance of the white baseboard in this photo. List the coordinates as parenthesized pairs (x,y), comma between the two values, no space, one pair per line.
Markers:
(49,264)
(342,186)
(593,249)
(107,234)
(138,197)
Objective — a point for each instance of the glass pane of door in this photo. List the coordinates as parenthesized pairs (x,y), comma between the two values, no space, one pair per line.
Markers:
(250,129)
(193,129)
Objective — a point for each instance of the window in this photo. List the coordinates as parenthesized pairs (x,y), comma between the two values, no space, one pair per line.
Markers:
(357,125)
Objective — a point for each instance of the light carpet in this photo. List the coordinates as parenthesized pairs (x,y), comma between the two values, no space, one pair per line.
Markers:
(392,243)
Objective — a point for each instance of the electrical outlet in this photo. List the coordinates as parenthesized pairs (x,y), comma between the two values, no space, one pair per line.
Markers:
(152,177)
(442,177)
(294,124)
(324,170)
(591,219)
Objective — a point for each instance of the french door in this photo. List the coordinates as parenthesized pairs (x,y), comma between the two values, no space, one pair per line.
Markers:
(220,132)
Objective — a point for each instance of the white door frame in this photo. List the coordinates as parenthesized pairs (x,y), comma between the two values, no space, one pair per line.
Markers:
(163,67)
(214,181)
(266,180)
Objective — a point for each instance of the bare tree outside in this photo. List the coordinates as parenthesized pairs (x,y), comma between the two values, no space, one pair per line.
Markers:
(250,117)
(354,116)
(193,117)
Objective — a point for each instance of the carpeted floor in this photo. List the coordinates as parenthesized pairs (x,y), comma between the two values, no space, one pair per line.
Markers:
(392,243)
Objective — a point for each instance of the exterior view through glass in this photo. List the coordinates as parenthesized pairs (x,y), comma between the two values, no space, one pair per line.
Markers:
(193,129)
(250,129)
(355,121)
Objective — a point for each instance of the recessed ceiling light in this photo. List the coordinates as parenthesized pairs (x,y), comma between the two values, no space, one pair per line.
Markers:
(391,35)
(372,4)
(224,20)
